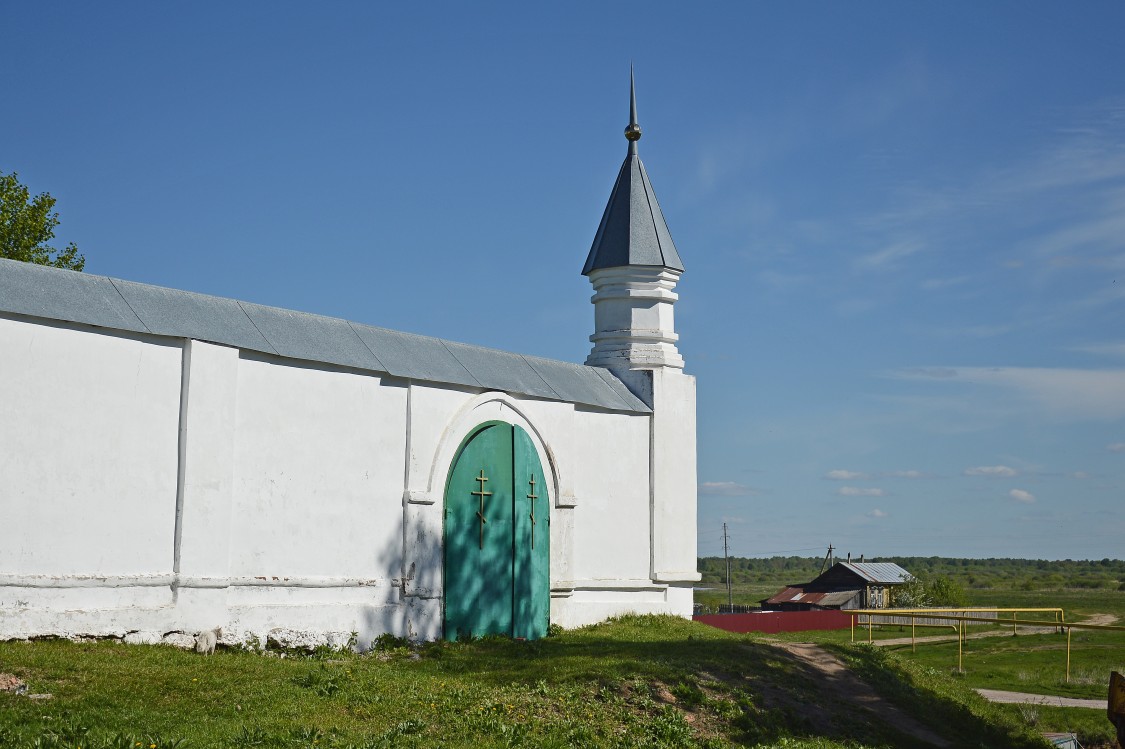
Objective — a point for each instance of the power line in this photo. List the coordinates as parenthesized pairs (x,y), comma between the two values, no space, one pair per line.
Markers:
(784,551)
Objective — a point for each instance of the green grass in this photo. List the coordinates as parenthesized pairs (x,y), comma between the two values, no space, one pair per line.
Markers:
(940,699)
(1034,663)
(634,682)
(1093,730)
(1025,663)
(1031,663)
(1077,603)
(749,594)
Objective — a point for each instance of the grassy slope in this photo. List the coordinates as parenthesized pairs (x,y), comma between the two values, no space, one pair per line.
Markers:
(639,681)
(1036,663)
(1027,663)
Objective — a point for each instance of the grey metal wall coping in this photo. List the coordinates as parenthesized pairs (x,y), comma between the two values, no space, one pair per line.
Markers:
(101,301)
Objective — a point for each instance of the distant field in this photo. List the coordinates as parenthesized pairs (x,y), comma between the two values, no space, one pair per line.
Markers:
(1078,603)
(984,580)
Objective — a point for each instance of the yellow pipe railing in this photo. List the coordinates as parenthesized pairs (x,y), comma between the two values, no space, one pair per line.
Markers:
(962,620)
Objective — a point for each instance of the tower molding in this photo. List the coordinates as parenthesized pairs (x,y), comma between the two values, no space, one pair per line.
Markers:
(634,324)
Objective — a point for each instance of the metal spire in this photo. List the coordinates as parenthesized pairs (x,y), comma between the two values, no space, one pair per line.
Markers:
(633,131)
(633,230)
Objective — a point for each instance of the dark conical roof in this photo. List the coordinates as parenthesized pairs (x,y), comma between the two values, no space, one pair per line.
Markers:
(632,231)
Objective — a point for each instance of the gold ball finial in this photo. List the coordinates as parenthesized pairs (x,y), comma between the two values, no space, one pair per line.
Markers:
(633,132)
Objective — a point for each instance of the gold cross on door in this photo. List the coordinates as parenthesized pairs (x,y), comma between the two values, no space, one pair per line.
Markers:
(480,513)
(532,496)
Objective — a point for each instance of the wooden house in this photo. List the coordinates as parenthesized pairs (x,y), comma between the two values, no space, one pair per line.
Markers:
(845,585)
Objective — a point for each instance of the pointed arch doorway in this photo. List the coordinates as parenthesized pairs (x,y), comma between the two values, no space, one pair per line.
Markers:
(497,537)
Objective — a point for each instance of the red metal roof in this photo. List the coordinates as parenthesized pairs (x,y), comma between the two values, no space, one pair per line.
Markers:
(798,594)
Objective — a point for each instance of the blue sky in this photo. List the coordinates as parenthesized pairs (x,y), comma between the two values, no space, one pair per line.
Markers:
(903,224)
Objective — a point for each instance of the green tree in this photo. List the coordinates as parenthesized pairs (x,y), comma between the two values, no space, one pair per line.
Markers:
(924,591)
(27,224)
(945,591)
(912,594)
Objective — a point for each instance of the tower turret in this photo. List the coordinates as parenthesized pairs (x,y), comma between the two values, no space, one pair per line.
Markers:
(634,267)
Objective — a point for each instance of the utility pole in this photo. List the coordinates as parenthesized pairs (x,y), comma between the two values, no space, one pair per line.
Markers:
(827,558)
(726,553)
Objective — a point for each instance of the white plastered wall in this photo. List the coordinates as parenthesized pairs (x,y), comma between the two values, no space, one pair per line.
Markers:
(672,481)
(611,534)
(674,476)
(150,485)
(317,505)
(88,456)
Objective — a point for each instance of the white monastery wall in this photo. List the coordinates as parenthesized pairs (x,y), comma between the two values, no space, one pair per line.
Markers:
(318,465)
(612,523)
(614,500)
(150,485)
(674,477)
(87,451)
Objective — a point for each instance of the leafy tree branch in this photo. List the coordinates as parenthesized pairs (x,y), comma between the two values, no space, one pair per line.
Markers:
(27,224)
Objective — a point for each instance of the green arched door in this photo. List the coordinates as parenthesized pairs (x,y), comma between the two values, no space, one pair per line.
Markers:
(497,537)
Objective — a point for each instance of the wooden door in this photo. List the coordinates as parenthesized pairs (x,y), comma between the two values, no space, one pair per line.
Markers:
(497,537)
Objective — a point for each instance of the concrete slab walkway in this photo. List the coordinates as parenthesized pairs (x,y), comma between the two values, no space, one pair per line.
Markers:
(1023,698)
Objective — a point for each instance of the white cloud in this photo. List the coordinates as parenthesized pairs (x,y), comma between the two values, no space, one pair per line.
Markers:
(963,331)
(860,491)
(943,283)
(1075,394)
(1085,158)
(1116,447)
(1102,349)
(1080,475)
(888,256)
(781,281)
(994,471)
(1090,241)
(931,373)
(856,306)
(905,475)
(1021,496)
(876,513)
(842,475)
(726,489)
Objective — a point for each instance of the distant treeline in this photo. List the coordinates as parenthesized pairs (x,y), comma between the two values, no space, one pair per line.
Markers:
(1014,574)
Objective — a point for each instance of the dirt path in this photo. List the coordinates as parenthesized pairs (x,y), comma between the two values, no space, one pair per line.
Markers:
(1023,698)
(846,686)
(936,638)
(1100,619)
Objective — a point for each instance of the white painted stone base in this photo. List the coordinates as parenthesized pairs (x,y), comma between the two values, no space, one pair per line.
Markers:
(595,601)
(281,619)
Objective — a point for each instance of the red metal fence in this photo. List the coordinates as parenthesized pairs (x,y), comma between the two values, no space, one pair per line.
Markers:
(772,622)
